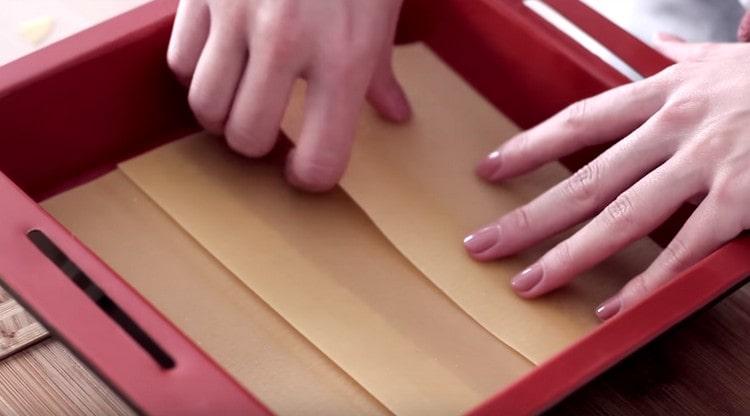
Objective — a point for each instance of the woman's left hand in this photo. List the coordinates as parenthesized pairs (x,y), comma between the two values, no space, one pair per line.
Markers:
(686,138)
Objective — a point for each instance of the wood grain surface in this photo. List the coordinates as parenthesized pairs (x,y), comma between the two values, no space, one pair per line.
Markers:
(47,379)
(18,329)
(40,376)
(701,367)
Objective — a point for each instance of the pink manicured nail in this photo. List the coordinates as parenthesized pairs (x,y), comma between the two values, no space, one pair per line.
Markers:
(482,240)
(667,37)
(743,32)
(608,308)
(490,165)
(527,279)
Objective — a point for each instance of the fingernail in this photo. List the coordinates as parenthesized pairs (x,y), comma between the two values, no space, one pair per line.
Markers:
(401,106)
(490,165)
(660,37)
(527,279)
(743,32)
(482,239)
(609,308)
(667,37)
(291,175)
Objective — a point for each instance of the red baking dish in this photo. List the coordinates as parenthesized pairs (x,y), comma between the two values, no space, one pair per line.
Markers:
(72,111)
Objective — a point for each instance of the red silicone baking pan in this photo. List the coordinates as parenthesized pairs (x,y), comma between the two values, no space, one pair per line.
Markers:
(72,111)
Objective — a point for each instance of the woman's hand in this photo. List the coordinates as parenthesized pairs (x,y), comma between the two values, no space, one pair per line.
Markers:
(241,58)
(685,137)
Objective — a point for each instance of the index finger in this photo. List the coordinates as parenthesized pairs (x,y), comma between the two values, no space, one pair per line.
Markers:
(332,105)
(599,119)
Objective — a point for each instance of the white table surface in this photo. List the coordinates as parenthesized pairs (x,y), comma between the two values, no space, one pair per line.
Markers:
(68,17)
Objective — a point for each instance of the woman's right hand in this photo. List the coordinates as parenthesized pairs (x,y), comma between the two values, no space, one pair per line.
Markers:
(242,57)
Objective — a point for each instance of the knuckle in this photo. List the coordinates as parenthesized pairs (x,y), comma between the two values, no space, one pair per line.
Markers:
(725,193)
(320,173)
(701,51)
(564,255)
(681,110)
(643,88)
(581,186)
(178,62)
(348,58)
(282,50)
(520,219)
(241,142)
(638,287)
(346,37)
(702,154)
(230,18)
(671,73)
(209,115)
(238,144)
(646,91)
(175,60)
(279,39)
(668,78)
(575,114)
(620,212)
(364,50)
(674,255)
(343,69)
(705,149)
(674,112)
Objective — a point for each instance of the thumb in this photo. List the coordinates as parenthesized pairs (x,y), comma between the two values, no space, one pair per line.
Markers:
(668,37)
(743,32)
(678,50)
(673,46)
(386,94)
